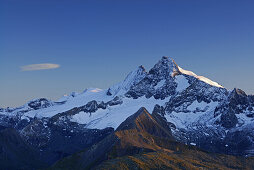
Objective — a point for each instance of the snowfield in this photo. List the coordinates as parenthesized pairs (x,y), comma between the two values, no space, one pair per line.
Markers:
(113,116)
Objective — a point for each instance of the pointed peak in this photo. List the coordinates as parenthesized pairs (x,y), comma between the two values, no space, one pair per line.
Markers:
(239,92)
(141,67)
(140,70)
(143,121)
(167,61)
(141,111)
(130,121)
(40,103)
(165,57)
(132,79)
(164,67)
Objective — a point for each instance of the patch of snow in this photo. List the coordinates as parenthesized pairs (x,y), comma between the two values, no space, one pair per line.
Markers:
(194,144)
(182,83)
(79,100)
(184,120)
(75,94)
(196,105)
(160,84)
(243,119)
(113,116)
(25,118)
(206,134)
(181,119)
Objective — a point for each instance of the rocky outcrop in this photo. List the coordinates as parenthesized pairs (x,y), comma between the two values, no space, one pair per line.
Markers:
(229,119)
(40,103)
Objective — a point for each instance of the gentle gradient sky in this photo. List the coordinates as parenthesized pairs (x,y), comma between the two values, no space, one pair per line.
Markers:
(97,43)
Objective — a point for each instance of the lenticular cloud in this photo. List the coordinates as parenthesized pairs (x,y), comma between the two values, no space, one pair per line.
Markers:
(44,66)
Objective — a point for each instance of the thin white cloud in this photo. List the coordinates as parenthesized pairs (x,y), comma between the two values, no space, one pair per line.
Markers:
(44,66)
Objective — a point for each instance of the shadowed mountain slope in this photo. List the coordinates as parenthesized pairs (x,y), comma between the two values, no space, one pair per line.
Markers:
(15,153)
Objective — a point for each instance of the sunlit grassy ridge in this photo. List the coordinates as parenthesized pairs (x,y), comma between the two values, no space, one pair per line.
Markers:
(181,160)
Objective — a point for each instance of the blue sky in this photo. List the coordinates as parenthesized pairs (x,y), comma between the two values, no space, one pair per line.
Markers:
(97,43)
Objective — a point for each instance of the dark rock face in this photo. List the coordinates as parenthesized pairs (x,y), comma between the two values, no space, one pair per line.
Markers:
(229,119)
(102,105)
(39,103)
(15,153)
(91,106)
(159,110)
(237,102)
(115,101)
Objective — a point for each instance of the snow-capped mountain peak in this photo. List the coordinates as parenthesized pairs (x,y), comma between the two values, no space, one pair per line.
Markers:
(164,68)
(132,79)
(167,66)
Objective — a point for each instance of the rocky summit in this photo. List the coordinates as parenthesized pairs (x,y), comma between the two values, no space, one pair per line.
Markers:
(190,115)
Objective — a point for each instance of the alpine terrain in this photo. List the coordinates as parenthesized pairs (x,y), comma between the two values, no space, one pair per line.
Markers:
(163,118)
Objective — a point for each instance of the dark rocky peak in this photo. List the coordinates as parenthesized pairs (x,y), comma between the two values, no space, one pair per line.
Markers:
(141,69)
(40,103)
(136,75)
(238,100)
(164,69)
(237,93)
(159,82)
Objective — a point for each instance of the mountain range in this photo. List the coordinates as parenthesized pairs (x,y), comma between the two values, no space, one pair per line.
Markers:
(163,118)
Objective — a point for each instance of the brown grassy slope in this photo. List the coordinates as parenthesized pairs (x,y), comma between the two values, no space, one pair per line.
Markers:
(183,160)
